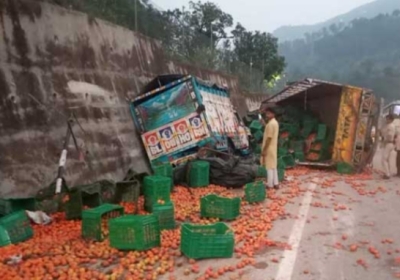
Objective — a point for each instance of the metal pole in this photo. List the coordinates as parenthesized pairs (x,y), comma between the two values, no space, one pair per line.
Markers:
(63,158)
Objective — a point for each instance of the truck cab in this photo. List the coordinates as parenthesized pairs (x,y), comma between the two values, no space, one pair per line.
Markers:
(176,115)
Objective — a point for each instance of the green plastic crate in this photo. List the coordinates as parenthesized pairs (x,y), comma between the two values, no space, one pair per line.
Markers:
(164,170)
(258,135)
(198,174)
(91,195)
(321,132)
(289,160)
(255,126)
(92,219)
(18,226)
(261,172)
(254,192)
(135,232)
(73,206)
(214,206)
(281,174)
(4,237)
(344,168)
(282,151)
(107,191)
(207,241)
(128,191)
(165,214)
(309,126)
(299,156)
(8,206)
(288,127)
(281,163)
(297,146)
(157,187)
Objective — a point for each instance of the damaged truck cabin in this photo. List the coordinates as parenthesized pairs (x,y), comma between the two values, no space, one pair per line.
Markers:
(176,115)
(327,124)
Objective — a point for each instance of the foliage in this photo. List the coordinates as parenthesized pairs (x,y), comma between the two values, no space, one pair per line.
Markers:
(197,35)
(366,53)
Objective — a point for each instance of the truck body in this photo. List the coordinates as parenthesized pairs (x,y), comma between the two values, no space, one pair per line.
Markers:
(178,114)
(352,113)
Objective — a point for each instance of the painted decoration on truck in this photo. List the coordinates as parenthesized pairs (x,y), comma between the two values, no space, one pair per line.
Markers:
(198,127)
(182,129)
(168,139)
(347,124)
(166,107)
(175,136)
(152,144)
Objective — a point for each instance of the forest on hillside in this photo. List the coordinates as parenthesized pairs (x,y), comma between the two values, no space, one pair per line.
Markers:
(197,34)
(365,53)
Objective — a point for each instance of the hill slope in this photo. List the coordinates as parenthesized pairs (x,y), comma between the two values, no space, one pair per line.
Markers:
(366,53)
(370,10)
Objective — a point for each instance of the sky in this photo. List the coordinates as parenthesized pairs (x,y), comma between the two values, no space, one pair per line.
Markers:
(268,15)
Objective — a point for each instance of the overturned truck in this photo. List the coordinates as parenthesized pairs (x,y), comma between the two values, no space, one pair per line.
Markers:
(332,122)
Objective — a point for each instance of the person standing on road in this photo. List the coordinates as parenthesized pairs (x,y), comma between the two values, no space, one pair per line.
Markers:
(388,134)
(269,149)
(397,144)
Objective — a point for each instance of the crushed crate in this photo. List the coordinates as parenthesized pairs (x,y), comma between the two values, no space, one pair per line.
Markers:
(4,237)
(95,221)
(18,226)
(214,206)
(255,192)
(207,241)
(135,232)
(128,191)
(8,206)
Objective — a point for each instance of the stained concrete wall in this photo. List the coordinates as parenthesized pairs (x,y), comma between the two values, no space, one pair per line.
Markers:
(56,64)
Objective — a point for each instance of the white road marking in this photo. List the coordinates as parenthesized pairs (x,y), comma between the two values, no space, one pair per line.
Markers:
(286,266)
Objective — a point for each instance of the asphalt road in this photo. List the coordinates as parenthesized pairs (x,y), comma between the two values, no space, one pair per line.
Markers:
(339,228)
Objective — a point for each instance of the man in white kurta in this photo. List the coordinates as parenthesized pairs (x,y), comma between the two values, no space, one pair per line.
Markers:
(269,149)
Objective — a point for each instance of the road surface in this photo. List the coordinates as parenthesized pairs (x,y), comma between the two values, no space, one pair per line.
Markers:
(339,228)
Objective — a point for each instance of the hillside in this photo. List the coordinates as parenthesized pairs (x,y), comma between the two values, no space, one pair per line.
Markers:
(370,10)
(366,53)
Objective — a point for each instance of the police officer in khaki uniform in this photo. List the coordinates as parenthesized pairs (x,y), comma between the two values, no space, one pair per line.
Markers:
(388,135)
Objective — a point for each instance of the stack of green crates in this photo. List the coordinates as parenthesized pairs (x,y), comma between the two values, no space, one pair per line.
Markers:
(18,226)
(92,220)
(165,170)
(254,192)
(207,241)
(135,232)
(157,200)
(214,206)
(199,174)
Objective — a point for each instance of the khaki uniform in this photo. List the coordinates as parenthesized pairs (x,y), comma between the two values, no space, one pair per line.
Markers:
(388,134)
(270,160)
